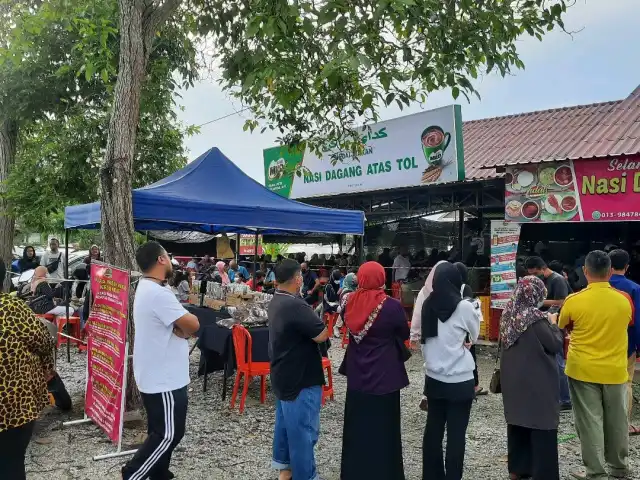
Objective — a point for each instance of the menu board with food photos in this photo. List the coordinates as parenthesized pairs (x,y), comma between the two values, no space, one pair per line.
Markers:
(591,190)
(541,193)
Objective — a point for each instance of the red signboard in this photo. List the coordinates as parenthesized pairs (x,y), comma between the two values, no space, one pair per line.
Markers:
(594,190)
(107,353)
(248,245)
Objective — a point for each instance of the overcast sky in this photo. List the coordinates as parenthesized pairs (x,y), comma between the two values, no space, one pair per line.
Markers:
(599,63)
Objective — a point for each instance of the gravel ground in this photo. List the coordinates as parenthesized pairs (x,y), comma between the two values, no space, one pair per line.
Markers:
(222,445)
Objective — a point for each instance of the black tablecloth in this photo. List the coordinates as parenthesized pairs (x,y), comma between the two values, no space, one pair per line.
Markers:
(216,344)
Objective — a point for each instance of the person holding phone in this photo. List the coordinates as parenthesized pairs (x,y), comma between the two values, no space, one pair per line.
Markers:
(557,291)
(530,339)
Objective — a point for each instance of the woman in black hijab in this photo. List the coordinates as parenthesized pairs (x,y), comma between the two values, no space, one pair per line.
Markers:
(447,320)
(447,282)
(467,293)
(29,261)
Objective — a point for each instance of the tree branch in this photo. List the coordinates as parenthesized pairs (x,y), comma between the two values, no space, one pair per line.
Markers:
(160,14)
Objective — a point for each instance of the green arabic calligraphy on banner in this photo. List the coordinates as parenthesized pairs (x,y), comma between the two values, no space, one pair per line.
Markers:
(416,150)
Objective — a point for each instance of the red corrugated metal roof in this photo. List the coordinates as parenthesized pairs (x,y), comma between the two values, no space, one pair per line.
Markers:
(584,131)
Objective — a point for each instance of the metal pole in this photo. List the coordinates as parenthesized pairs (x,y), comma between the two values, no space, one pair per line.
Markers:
(361,243)
(461,234)
(255,255)
(66,290)
(237,246)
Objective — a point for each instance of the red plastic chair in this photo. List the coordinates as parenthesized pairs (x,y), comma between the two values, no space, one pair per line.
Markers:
(330,320)
(243,344)
(345,337)
(327,390)
(396,290)
(74,322)
(47,316)
(320,297)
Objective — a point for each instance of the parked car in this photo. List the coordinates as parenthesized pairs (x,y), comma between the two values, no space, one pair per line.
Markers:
(76,259)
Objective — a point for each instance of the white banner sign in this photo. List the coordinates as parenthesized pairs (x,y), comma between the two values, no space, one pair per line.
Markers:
(504,246)
(420,149)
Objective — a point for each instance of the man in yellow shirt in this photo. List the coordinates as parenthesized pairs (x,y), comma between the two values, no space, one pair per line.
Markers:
(597,370)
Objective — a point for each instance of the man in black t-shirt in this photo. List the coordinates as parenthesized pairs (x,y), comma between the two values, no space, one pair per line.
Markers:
(310,284)
(557,292)
(295,333)
(557,285)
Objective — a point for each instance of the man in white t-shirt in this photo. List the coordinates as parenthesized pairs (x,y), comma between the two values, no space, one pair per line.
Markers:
(160,364)
(401,265)
(54,261)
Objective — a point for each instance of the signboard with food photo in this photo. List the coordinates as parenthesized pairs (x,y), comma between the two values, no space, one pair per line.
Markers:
(593,190)
(541,193)
(420,149)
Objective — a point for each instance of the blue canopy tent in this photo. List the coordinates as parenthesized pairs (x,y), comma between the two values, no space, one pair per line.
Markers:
(212,195)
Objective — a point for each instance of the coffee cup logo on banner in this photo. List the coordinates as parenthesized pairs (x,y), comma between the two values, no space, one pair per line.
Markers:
(434,142)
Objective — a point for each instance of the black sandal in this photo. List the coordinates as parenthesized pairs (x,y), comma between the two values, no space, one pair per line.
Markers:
(481,392)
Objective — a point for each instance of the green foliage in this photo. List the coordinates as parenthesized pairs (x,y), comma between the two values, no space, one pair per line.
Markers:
(275,249)
(40,59)
(314,70)
(76,47)
(85,238)
(59,161)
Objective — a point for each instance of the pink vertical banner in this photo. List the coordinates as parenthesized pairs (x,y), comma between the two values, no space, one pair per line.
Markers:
(107,355)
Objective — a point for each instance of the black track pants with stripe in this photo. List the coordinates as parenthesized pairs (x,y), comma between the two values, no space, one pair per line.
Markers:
(166,417)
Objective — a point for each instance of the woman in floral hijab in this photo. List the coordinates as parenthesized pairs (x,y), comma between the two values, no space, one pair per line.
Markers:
(530,383)
(523,310)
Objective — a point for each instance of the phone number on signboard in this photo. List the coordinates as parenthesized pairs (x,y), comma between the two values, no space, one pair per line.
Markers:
(605,215)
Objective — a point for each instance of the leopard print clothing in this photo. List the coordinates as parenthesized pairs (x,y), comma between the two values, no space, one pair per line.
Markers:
(26,358)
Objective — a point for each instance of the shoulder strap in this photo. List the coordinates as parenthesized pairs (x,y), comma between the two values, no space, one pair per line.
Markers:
(498,351)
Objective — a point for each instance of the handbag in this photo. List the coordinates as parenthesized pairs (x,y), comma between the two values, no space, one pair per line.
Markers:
(53,266)
(496,386)
(342,369)
(405,353)
(41,304)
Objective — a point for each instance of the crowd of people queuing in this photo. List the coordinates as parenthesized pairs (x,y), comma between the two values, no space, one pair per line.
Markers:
(594,330)
(544,316)
(561,348)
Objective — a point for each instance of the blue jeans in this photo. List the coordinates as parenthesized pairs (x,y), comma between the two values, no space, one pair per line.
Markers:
(296,434)
(565,398)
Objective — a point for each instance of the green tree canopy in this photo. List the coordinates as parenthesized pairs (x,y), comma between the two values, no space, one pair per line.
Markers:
(315,69)
(68,53)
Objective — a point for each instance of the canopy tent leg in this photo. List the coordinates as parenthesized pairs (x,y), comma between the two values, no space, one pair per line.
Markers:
(255,255)
(237,246)
(66,290)
(361,248)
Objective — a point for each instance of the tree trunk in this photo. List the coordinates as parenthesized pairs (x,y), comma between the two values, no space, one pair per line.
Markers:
(138,22)
(8,138)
